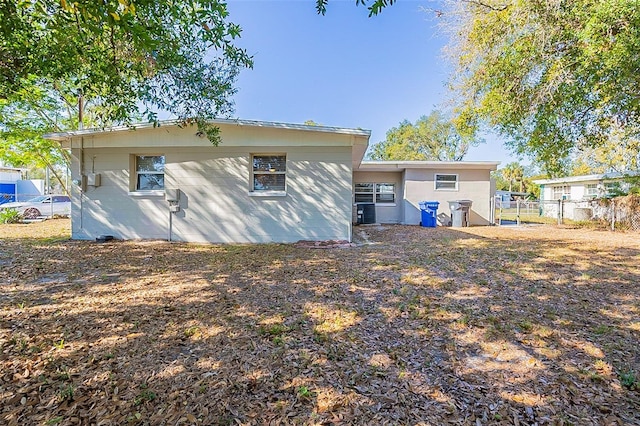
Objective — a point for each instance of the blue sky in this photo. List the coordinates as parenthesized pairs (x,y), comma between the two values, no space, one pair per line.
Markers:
(344,69)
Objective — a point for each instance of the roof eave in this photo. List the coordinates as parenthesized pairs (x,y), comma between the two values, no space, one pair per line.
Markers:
(403,165)
(584,178)
(61,136)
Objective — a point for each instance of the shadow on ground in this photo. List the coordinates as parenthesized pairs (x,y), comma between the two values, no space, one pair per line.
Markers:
(417,326)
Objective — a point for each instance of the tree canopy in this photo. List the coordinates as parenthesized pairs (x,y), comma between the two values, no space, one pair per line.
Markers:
(617,154)
(375,8)
(553,77)
(432,137)
(34,111)
(515,177)
(513,172)
(127,58)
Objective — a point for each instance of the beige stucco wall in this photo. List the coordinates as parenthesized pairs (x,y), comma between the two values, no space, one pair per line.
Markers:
(385,213)
(216,205)
(473,184)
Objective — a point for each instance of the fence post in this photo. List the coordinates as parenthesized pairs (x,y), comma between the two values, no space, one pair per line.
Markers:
(492,210)
(518,212)
(559,212)
(613,215)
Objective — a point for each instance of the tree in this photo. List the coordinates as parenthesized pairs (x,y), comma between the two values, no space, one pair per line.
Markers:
(617,154)
(375,8)
(126,58)
(553,77)
(432,137)
(513,172)
(33,112)
(524,176)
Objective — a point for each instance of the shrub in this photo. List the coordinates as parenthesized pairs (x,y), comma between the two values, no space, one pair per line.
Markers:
(10,216)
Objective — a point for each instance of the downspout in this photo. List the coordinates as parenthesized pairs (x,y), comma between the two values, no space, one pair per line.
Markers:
(81,159)
(81,176)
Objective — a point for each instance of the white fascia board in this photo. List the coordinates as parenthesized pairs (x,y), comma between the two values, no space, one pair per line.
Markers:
(360,145)
(61,136)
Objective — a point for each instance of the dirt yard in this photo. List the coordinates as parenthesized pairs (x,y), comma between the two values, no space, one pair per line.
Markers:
(419,326)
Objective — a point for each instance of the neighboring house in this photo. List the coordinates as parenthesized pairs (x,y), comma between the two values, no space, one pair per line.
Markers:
(14,188)
(266,182)
(8,179)
(583,187)
(576,192)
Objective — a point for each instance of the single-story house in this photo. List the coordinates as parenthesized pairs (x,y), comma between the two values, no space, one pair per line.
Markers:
(411,182)
(266,182)
(577,192)
(584,187)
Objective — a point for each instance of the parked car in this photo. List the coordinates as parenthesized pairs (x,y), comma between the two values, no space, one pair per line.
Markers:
(41,206)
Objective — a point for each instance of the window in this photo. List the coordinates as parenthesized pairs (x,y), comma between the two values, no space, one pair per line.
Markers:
(446,182)
(591,189)
(268,172)
(561,192)
(379,193)
(364,193)
(385,193)
(149,172)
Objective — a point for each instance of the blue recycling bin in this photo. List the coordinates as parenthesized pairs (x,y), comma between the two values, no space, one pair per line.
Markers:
(428,213)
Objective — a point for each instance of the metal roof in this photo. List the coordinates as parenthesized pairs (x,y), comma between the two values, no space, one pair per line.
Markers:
(584,178)
(59,136)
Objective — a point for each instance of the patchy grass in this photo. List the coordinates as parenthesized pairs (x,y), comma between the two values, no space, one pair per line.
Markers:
(425,326)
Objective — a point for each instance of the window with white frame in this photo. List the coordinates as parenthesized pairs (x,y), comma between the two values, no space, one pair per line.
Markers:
(561,192)
(379,193)
(591,190)
(149,172)
(385,193)
(364,192)
(268,172)
(446,182)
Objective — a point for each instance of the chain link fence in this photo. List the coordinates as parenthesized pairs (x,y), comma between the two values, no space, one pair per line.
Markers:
(623,213)
(620,213)
(10,197)
(523,211)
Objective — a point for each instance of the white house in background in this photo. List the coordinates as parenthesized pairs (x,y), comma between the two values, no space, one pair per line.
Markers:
(580,188)
(266,182)
(577,192)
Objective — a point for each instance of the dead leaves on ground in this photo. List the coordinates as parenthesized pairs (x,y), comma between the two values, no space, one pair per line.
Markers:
(416,326)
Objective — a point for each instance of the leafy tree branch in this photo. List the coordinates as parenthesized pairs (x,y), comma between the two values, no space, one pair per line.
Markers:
(431,138)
